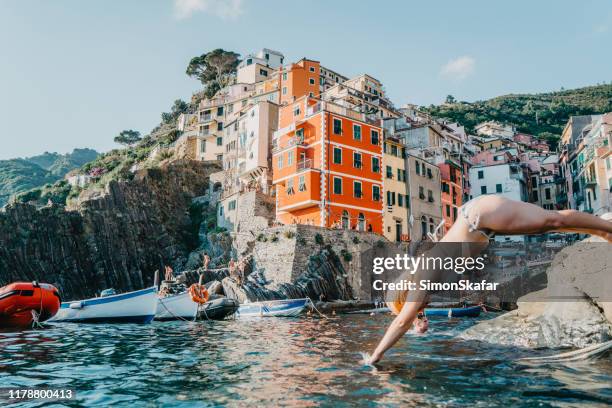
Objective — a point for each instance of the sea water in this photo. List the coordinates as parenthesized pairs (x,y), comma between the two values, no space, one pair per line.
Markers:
(289,362)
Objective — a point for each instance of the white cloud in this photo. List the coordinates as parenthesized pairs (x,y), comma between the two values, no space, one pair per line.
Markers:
(225,9)
(458,68)
(601,29)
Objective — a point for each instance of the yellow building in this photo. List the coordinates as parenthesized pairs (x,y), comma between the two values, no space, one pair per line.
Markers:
(395,192)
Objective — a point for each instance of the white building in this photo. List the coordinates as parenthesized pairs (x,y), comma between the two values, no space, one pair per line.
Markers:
(265,57)
(507,180)
(495,129)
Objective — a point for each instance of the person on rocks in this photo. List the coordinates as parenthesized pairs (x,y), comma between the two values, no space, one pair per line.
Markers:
(169,275)
(232,267)
(206,261)
(479,220)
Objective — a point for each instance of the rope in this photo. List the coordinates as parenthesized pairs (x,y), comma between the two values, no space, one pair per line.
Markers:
(315,308)
(172,314)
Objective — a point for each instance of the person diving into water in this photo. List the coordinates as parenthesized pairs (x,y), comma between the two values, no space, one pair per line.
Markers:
(480,219)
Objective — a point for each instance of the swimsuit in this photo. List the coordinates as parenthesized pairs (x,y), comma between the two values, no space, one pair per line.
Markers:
(473,220)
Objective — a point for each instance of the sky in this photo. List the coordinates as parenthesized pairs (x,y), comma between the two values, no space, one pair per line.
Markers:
(76,73)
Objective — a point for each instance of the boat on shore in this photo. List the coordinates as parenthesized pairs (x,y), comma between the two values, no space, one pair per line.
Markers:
(22,304)
(131,307)
(176,307)
(469,311)
(217,309)
(273,308)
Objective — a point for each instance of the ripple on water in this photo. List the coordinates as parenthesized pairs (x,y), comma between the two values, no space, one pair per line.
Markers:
(302,362)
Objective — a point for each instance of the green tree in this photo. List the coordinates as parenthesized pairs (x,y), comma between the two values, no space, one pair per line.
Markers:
(178,107)
(214,69)
(450,99)
(128,137)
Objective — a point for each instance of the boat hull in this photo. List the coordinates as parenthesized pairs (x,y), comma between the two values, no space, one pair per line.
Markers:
(218,309)
(472,311)
(273,308)
(176,307)
(132,307)
(18,300)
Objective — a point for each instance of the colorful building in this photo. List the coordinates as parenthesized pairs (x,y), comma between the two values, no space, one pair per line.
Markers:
(326,160)
(396,226)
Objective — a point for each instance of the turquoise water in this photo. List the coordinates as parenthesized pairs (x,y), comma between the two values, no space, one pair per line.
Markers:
(297,362)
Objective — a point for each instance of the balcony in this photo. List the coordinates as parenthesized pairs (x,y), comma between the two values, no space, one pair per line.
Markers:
(590,181)
(304,165)
(206,118)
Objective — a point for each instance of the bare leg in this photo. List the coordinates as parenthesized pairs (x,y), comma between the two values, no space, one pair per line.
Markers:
(509,217)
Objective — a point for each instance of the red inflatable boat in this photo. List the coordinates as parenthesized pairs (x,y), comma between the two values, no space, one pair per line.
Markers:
(23,302)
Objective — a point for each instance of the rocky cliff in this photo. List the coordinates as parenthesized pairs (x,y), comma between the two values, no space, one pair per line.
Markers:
(114,238)
(573,311)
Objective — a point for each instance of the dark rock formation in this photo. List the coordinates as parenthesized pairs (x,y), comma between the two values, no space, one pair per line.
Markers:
(115,239)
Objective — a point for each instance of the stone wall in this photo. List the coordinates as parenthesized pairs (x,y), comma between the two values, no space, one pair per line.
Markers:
(115,238)
(282,254)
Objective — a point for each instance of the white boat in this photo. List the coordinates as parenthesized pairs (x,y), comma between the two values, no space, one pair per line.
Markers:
(176,307)
(131,307)
(278,308)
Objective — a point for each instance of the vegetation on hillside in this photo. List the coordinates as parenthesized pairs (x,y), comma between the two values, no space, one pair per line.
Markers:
(543,114)
(214,69)
(19,175)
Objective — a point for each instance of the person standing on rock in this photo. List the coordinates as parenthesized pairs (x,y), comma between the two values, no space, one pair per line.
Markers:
(169,275)
(206,260)
(480,219)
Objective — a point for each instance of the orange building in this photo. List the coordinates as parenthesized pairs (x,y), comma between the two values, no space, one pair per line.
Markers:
(326,158)
(452,192)
(327,167)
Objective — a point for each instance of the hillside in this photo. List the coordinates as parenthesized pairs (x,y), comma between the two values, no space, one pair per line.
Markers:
(543,114)
(18,175)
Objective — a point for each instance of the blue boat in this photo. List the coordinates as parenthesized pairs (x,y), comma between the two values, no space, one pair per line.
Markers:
(471,311)
(132,307)
(278,308)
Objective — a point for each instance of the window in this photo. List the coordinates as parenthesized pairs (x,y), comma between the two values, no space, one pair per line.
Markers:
(284,90)
(232,205)
(357,160)
(302,183)
(547,193)
(280,161)
(337,185)
(337,126)
(284,76)
(290,189)
(249,61)
(448,210)
(374,137)
(483,189)
(219,157)
(400,200)
(375,164)
(356,132)
(337,155)
(220,126)
(202,146)
(296,110)
(311,81)
(220,111)
(220,141)
(375,193)
(498,188)
(394,150)
(421,193)
(418,167)
(312,69)
(429,174)
(263,72)
(361,222)
(407,199)
(357,189)
(290,158)
(454,213)
(445,188)
(221,211)
(430,197)
(534,195)
(480,174)
(389,172)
